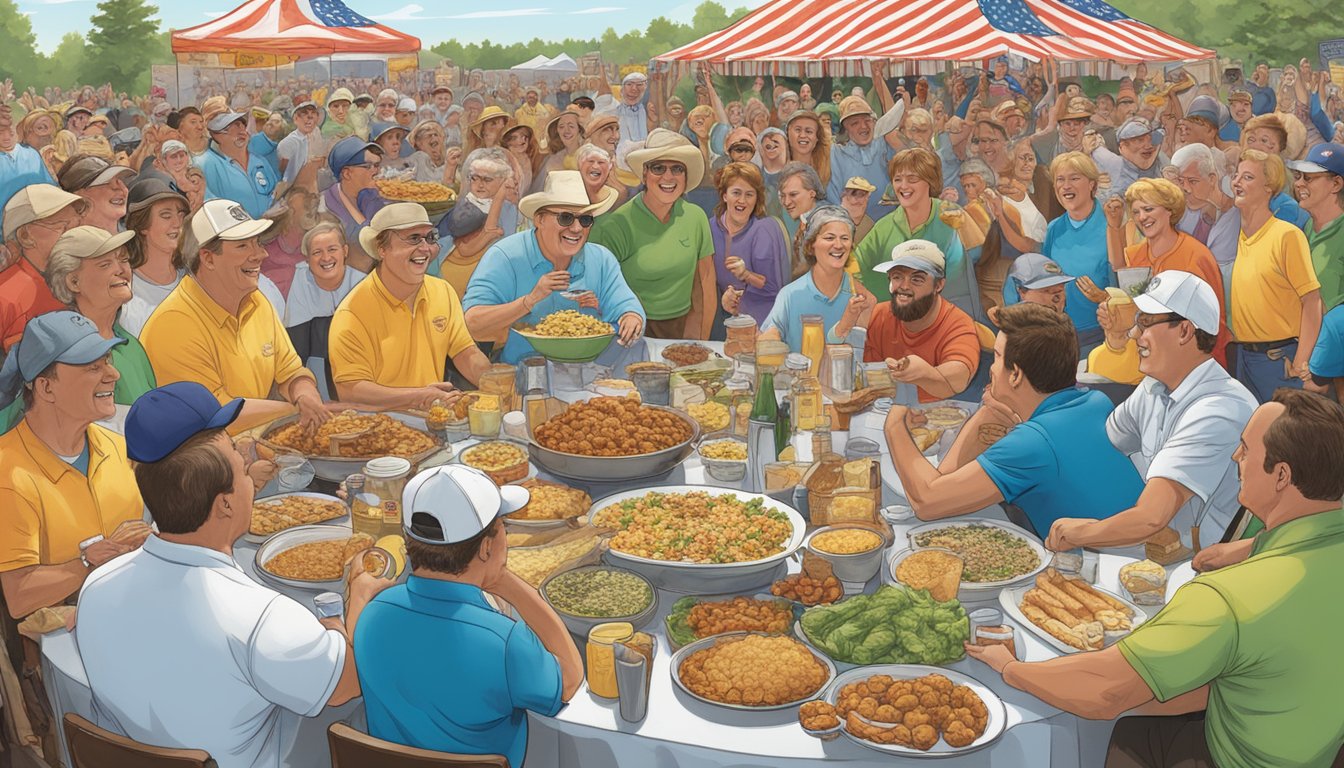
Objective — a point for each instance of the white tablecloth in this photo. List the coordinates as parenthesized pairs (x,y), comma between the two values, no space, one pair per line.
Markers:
(680,732)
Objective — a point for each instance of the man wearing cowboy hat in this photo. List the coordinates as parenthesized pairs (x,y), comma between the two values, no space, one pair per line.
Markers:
(394,334)
(1073,118)
(529,275)
(860,155)
(663,243)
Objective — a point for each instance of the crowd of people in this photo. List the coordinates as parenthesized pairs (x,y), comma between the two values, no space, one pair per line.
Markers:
(174,274)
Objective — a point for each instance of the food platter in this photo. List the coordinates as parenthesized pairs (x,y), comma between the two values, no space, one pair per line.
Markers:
(578,625)
(983,590)
(306,534)
(337,468)
(615,469)
(343,520)
(687,651)
(583,502)
(679,632)
(706,578)
(1011,598)
(995,725)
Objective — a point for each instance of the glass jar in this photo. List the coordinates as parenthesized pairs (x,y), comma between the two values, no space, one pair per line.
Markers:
(805,394)
(741,336)
(739,403)
(653,381)
(536,377)
(839,369)
(814,342)
(501,379)
(485,415)
(602,656)
(377,511)
(821,438)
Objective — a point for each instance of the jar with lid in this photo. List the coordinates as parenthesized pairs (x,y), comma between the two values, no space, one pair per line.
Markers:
(805,393)
(740,337)
(601,655)
(821,438)
(377,511)
(739,403)
(839,369)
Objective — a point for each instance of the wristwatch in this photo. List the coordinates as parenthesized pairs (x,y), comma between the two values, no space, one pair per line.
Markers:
(83,547)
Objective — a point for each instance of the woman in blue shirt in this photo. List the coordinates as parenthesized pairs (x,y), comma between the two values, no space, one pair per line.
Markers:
(1076,241)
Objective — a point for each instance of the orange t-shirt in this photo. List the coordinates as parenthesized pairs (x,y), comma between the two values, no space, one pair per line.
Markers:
(951,337)
(1194,257)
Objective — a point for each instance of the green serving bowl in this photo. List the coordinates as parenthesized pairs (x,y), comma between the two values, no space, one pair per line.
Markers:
(567,349)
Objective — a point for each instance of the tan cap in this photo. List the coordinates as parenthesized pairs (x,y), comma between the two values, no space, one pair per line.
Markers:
(340,94)
(394,216)
(226,220)
(1079,108)
(860,183)
(920,255)
(855,105)
(36,202)
(86,242)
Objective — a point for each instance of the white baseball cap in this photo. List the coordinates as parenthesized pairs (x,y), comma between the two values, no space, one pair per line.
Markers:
(226,220)
(916,254)
(452,503)
(1183,294)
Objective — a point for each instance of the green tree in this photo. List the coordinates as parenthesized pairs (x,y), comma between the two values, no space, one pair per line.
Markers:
(123,41)
(22,62)
(1277,31)
(65,65)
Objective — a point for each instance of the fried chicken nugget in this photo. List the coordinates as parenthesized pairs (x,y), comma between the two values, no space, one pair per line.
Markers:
(959,735)
(923,737)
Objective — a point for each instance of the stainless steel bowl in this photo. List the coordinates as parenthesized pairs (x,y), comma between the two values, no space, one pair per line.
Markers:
(680,657)
(613,469)
(293,537)
(855,568)
(579,626)
(337,468)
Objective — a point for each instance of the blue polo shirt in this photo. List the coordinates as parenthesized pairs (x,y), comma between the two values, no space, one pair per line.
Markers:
(440,669)
(19,168)
(803,297)
(1327,358)
(1060,462)
(252,187)
(512,267)
(1079,248)
(870,162)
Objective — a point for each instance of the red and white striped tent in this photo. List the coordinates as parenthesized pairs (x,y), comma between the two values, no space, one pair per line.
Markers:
(838,37)
(293,28)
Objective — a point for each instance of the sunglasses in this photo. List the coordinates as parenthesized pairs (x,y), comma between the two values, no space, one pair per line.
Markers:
(566,219)
(659,169)
(1309,177)
(415,241)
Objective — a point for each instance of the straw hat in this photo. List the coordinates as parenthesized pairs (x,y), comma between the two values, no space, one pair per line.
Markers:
(394,216)
(663,144)
(552,131)
(855,105)
(564,189)
(489,113)
(1079,108)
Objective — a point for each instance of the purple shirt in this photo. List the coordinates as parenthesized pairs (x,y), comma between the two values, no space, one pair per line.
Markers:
(761,246)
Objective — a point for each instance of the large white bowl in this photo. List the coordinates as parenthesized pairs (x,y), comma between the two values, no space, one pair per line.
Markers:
(686,651)
(976,592)
(304,534)
(706,578)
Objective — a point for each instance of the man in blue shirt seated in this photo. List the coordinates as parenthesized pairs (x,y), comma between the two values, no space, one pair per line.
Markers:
(1037,442)
(549,268)
(445,670)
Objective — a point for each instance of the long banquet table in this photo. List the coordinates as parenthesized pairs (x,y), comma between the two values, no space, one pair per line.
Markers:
(680,732)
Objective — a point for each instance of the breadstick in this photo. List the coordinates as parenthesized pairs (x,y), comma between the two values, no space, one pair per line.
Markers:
(1089,599)
(1055,612)
(1113,603)
(1071,605)
(1055,628)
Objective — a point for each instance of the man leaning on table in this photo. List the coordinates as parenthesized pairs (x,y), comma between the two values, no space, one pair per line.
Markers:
(1037,442)
(440,667)
(216,328)
(1243,660)
(181,647)
(524,275)
(1179,427)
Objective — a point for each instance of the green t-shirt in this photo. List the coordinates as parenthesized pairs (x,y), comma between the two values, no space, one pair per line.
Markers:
(1264,634)
(892,230)
(1327,256)
(657,259)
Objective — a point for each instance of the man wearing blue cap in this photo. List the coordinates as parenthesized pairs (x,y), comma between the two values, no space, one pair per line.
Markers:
(70,501)
(233,663)
(474,698)
(1319,183)
(353,199)
(1200,124)
(1139,157)
(1036,279)
(240,167)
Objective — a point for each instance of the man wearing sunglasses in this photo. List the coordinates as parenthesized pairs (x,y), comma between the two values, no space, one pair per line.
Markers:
(550,268)
(394,334)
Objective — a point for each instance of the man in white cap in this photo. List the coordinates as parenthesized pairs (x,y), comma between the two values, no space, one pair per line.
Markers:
(924,340)
(1179,427)
(437,633)
(526,276)
(35,218)
(240,167)
(631,109)
(218,329)
(394,334)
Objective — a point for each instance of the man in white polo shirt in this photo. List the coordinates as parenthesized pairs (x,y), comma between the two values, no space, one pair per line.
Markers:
(1179,427)
(183,649)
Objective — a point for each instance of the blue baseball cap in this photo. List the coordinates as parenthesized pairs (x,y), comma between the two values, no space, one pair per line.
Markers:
(377,130)
(1323,158)
(55,337)
(1207,108)
(349,151)
(162,419)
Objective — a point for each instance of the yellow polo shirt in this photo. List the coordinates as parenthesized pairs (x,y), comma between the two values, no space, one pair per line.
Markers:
(1272,273)
(50,507)
(377,337)
(192,338)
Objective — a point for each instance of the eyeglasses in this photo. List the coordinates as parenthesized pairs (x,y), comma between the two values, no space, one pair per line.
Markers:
(370,166)
(415,241)
(1143,320)
(476,178)
(659,169)
(566,219)
(1309,177)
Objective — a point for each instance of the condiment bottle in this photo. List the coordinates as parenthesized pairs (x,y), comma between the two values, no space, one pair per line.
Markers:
(805,394)
(377,511)
(813,342)
(602,656)
(821,438)
(739,403)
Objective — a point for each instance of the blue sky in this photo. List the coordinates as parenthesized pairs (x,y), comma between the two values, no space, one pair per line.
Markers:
(503,21)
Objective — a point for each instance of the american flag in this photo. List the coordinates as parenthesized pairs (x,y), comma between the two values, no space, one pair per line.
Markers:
(295,27)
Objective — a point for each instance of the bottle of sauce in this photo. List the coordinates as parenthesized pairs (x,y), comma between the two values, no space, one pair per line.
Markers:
(805,394)
(821,438)
(601,655)
(814,342)
(377,511)
(739,403)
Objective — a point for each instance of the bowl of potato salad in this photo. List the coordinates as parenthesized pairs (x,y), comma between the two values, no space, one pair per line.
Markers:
(568,336)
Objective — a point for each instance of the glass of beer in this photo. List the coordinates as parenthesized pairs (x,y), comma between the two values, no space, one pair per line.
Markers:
(952,215)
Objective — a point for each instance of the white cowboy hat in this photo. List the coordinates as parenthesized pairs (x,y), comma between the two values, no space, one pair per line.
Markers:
(564,189)
(663,144)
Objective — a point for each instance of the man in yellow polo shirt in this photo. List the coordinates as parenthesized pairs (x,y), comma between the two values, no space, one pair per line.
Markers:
(393,335)
(1244,659)
(66,487)
(217,329)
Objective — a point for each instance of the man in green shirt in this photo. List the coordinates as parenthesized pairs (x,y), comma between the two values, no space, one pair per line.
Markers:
(1319,184)
(1245,659)
(662,242)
